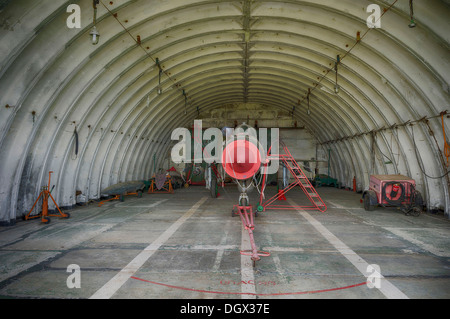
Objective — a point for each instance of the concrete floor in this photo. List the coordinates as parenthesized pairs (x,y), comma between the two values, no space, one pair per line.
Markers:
(187,245)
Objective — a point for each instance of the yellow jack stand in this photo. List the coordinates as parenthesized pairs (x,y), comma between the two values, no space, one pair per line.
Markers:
(44,215)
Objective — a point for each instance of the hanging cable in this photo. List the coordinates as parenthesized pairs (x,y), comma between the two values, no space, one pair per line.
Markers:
(446,146)
(379,149)
(159,88)
(307,98)
(336,67)
(139,43)
(76,140)
(359,39)
(185,102)
(417,157)
(391,198)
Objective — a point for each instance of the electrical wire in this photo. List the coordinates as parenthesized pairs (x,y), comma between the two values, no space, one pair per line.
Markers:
(378,146)
(347,53)
(417,157)
(139,43)
(76,141)
(326,74)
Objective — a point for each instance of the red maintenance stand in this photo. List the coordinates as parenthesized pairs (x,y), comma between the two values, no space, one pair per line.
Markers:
(286,158)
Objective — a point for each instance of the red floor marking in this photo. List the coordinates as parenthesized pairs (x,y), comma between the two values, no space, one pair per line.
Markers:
(250,293)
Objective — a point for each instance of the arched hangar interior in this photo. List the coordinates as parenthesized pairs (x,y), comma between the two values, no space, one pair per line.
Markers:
(93,115)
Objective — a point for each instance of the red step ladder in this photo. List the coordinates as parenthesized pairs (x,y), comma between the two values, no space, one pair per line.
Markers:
(301,180)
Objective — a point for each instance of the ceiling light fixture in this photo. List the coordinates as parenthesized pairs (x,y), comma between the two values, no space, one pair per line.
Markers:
(412,24)
(159,88)
(95,36)
(336,89)
(159,85)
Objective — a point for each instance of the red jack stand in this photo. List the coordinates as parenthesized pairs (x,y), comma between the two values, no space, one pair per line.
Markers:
(44,215)
(281,195)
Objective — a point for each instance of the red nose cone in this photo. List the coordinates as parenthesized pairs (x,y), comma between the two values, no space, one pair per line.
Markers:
(241,159)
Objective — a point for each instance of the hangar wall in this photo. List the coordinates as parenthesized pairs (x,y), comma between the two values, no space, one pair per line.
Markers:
(59,91)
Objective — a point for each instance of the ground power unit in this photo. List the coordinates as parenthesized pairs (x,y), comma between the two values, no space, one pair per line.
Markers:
(393,191)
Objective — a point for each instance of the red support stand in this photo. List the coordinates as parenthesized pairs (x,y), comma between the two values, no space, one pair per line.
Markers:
(281,195)
(301,180)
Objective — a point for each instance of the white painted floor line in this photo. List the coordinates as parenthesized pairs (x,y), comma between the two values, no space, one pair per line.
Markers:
(247,274)
(387,288)
(221,248)
(275,258)
(112,286)
(336,205)
(142,206)
(408,234)
(279,268)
